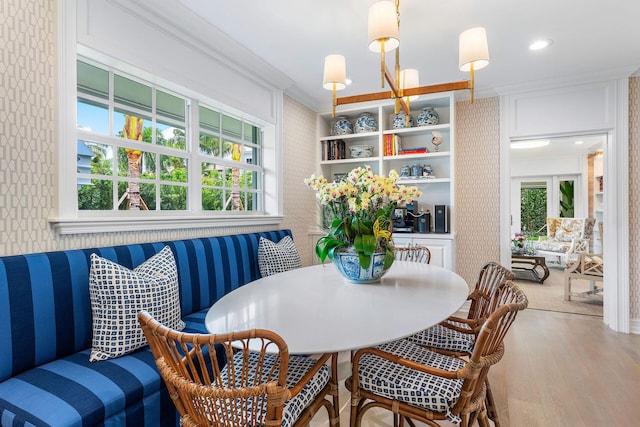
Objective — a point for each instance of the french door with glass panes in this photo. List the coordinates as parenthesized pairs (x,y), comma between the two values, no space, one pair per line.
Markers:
(533,199)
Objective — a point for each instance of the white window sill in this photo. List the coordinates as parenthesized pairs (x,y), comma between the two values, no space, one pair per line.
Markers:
(116,224)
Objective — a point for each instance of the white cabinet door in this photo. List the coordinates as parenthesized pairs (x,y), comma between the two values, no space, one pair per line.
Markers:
(442,250)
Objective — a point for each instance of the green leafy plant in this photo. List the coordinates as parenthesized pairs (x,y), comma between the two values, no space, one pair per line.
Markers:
(362,205)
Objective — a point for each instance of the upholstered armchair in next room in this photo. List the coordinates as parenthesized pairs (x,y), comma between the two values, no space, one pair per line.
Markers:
(565,238)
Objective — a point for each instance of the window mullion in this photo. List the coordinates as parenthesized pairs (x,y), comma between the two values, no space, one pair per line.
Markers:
(193,145)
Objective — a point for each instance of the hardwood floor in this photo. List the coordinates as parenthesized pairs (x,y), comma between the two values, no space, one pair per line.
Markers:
(559,369)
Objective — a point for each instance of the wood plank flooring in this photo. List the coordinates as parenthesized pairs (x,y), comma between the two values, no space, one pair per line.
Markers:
(559,369)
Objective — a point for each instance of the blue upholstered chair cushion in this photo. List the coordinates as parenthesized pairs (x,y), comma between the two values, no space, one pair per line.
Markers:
(298,367)
(401,383)
(118,294)
(444,338)
(277,257)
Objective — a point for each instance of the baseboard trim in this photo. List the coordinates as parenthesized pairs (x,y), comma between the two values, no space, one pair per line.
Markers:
(634,326)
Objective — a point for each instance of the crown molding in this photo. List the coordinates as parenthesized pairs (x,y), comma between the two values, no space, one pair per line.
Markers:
(573,80)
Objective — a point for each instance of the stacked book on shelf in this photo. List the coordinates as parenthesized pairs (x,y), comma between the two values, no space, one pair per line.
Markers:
(413,150)
(393,147)
(333,150)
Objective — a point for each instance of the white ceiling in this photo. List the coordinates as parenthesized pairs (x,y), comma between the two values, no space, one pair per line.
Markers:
(591,39)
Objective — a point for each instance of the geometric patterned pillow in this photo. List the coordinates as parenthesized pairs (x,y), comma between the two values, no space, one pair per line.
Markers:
(277,257)
(118,294)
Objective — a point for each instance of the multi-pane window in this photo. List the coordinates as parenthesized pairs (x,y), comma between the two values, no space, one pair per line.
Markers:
(137,143)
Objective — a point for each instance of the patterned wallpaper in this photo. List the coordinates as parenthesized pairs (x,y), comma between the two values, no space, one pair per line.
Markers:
(634,197)
(477,192)
(299,163)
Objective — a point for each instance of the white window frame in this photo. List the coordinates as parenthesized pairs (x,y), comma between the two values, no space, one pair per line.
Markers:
(69,220)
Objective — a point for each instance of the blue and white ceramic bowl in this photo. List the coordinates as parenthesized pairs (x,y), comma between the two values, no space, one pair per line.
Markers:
(342,126)
(400,121)
(366,123)
(428,116)
(361,151)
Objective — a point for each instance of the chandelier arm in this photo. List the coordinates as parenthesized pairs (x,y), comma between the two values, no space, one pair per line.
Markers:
(437,88)
(422,90)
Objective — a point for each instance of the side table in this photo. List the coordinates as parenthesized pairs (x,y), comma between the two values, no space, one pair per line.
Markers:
(529,267)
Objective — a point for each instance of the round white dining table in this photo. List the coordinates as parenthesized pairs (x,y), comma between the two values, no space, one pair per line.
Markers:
(315,310)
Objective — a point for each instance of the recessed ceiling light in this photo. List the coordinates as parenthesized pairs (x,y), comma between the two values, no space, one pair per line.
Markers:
(540,44)
(579,142)
(533,143)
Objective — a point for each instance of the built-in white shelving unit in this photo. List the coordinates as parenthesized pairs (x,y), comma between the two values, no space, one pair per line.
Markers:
(438,190)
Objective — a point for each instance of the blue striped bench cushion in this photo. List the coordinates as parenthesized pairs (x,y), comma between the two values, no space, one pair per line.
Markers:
(75,392)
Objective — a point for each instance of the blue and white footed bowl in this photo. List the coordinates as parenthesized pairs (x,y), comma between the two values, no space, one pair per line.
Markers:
(366,123)
(348,264)
(342,126)
(400,121)
(428,116)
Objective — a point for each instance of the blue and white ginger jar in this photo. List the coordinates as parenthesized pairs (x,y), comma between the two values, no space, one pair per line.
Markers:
(366,123)
(428,116)
(400,121)
(342,126)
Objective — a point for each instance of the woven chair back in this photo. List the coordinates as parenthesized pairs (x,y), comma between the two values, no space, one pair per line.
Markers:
(215,380)
(489,347)
(483,300)
(415,253)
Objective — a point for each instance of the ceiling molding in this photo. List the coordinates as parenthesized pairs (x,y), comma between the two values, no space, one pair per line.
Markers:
(564,81)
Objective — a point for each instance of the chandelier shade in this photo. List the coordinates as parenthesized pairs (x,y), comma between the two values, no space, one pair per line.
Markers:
(409,79)
(383,27)
(335,72)
(474,49)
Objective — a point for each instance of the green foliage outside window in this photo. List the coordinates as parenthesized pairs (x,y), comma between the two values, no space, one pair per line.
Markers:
(533,211)
(566,199)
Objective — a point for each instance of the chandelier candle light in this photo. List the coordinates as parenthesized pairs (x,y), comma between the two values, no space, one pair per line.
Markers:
(383,32)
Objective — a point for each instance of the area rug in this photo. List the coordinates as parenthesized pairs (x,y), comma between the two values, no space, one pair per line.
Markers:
(550,295)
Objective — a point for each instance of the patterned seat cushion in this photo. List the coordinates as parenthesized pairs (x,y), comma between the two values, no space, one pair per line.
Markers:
(278,257)
(298,367)
(419,389)
(444,338)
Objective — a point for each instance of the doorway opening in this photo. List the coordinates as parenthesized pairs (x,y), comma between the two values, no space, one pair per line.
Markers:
(557,183)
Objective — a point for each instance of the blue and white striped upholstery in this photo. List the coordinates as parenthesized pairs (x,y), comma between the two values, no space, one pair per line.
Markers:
(45,331)
(401,383)
(444,338)
(298,367)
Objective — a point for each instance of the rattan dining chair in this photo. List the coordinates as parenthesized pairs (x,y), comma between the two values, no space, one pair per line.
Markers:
(413,253)
(416,383)
(456,336)
(241,379)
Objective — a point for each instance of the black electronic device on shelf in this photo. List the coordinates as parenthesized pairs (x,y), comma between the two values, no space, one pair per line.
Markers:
(440,219)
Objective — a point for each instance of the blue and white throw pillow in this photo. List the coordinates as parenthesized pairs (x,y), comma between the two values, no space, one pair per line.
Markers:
(118,294)
(277,257)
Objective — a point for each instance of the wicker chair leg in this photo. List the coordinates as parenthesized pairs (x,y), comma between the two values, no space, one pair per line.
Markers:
(490,404)
(483,421)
